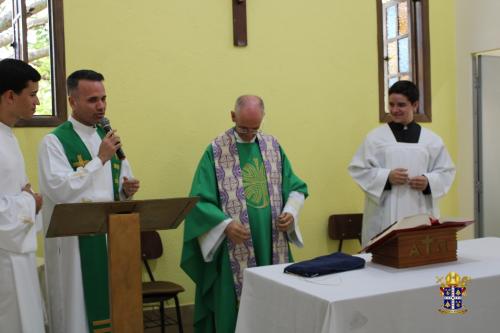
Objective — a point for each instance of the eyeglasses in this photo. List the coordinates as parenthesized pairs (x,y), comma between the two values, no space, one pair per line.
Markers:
(244,130)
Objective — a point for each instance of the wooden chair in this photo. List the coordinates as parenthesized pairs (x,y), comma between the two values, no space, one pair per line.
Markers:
(158,291)
(345,226)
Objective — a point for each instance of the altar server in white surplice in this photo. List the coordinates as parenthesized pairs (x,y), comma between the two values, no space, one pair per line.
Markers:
(403,168)
(21,308)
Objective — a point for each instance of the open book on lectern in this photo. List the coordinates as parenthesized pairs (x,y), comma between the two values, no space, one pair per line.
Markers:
(414,223)
(90,218)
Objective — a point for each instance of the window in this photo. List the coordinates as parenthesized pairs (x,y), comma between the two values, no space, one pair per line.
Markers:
(32,31)
(403,37)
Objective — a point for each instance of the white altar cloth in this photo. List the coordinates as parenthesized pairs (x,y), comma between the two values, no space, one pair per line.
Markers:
(374,299)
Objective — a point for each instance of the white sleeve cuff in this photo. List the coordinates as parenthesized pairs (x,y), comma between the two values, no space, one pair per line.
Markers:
(293,206)
(27,208)
(93,165)
(210,241)
(38,222)
(125,172)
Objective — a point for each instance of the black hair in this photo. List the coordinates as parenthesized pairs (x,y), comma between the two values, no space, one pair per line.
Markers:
(406,88)
(82,74)
(15,74)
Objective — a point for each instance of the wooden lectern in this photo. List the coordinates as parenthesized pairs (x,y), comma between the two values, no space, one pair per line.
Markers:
(123,221)
(418,246)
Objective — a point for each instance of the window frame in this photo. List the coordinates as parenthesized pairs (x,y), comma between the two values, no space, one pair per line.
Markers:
(57,64)
(418,24)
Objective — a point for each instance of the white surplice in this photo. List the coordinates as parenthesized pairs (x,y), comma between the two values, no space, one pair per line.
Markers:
(59,183)
(21,307)
(378,155)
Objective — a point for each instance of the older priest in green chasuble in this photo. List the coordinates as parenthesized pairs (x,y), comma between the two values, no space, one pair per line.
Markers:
(247,214)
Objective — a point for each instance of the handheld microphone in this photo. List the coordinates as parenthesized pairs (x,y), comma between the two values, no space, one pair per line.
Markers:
(106,126)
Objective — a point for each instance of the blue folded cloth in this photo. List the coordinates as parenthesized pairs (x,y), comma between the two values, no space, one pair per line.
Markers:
(331,263)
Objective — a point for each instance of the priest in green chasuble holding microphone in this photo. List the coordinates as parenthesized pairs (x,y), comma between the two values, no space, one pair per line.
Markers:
(81,162)
(248,211)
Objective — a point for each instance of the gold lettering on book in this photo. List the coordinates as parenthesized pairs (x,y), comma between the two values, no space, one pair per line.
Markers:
(414,251)
(428,246)
(427,241)
(442,246)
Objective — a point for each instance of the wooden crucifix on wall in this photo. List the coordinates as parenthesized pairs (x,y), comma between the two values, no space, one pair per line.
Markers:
(240,23)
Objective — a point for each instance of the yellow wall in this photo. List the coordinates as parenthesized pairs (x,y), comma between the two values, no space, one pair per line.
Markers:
(172,75)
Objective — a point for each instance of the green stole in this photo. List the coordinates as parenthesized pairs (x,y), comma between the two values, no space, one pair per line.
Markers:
(93,249)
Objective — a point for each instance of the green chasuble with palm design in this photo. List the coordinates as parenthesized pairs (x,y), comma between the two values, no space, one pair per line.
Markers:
(257,195)
(216,302)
